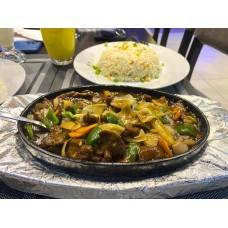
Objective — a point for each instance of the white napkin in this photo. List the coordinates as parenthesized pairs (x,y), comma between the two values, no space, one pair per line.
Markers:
(25,34)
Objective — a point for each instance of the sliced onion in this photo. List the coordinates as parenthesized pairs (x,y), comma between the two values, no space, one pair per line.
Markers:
(152,140)
(126,114)
(67,125)
(119,102)
(145,115)
(95,108)
(67,103)
(160,101)
(139,138)
(113,128)
(63,151)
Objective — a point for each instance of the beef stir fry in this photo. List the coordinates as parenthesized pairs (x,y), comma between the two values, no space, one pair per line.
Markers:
(113,126)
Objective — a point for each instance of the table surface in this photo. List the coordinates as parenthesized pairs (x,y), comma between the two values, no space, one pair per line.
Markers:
(37,66)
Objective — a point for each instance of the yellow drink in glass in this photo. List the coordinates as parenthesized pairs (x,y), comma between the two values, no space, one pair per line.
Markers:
(60,44)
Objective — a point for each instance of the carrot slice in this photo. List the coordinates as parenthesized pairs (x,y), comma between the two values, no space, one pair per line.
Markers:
(177,114)
(163,143)
(56,111)
(82,131)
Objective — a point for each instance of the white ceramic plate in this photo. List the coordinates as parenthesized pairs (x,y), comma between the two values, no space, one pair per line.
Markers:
(12,77)
(175,68)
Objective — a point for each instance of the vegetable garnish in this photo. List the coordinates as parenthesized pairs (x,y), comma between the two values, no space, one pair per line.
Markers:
(133,151)
(50,119)
(82,131)
(29,131)
(93,136)
(156,76)
(187,129)
(97,70)
(113,119)
(115,80)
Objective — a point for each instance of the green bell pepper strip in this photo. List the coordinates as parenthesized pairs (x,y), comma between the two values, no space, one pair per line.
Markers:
(165,109)
(50,119)
(93,136)
(133,151)
(138,99)
(113,119)
(186,129)
(68,114)
(29,131)
(164,120)
(75,109)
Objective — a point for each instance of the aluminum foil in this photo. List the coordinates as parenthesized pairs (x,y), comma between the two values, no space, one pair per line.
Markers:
(21,171)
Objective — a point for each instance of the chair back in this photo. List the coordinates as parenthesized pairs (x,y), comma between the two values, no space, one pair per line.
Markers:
(213,37)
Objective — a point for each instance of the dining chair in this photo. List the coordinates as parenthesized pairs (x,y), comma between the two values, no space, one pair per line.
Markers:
(156,36)
(214,37)
(193,41)
(164,35)
(186,40)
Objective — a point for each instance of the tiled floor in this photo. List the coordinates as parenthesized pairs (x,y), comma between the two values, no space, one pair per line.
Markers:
(210,75)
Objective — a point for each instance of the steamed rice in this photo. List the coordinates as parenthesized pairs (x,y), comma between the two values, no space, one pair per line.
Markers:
(129,62)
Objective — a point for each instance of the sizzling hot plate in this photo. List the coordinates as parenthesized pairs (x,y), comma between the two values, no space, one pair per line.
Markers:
(117,169)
